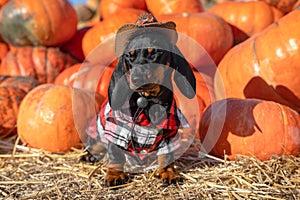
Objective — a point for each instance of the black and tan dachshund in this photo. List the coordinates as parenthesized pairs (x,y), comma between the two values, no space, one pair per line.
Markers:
(141,114)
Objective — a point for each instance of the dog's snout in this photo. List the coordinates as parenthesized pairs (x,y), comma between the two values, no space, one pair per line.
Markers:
(140,75)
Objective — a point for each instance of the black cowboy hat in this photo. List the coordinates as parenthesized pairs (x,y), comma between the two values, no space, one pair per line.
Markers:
(145,23)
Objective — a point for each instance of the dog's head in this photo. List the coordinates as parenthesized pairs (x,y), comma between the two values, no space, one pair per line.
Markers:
(146,66)
(146,63)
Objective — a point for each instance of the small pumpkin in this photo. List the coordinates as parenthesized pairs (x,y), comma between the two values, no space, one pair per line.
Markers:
(250,127)
(162,7)
(110,7)
(54,117)
(249,16)
(12,91)
(266,66)
(41,63)
(209,30)
(44,22)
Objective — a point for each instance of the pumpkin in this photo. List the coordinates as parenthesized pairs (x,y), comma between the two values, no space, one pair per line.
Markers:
(250,127)
(92,77)
(284,6)
(209,30)
(67,76)
(105,30)
(238,35)
(12,90)
(266,66)
(41,63)
(54,117)
(249,16)
(204,85)
(110,7)
(4,48)
(161,7)
(44,22)
(3,2)
(73,46)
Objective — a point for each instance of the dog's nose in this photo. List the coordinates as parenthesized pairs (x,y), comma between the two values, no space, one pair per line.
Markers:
(140,75)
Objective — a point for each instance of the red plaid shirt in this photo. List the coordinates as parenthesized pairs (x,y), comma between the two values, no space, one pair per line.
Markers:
(116,127)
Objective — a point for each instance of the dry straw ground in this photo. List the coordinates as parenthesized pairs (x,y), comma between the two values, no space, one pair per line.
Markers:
(33,174)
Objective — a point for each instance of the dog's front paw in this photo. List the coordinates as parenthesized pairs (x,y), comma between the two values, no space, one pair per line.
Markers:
(168,175)
(115,177)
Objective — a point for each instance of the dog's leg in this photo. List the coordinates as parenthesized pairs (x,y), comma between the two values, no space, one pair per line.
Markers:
(166,170)
(95,151)
(115,168)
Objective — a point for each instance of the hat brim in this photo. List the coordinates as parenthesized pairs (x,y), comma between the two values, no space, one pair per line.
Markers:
(128,31)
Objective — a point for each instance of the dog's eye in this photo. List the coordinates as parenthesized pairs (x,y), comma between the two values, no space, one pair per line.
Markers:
(132,52)
(154,54)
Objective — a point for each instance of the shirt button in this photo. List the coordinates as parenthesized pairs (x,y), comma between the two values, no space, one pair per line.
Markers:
(143,151)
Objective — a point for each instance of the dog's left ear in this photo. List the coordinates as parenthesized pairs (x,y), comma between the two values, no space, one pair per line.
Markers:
(184,76)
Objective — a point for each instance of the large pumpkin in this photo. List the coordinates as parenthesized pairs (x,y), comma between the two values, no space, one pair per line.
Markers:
(105,30)
(250,127)
(41,63)
(266,66)
(161,7)
(88,76)
(207,29)
(54,117)
(249,16)
(12,91)
(110,7)
(42,22)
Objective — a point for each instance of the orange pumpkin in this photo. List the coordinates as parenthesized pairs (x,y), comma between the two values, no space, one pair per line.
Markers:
(2,2)
(204,85)
(54,117)
(4,48)
(238,35)
(44,22)
(73,46)
(249,16)
(105,30)
(161,7)
(207,29)
(250,127)
(41,63)
(266,66)
(110,7)
(68,76)
(92,77)
(12,91)
(284,6)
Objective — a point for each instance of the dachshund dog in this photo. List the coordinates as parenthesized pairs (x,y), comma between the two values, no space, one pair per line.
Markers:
(140,114)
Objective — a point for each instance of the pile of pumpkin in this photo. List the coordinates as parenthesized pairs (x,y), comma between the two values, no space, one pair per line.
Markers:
(54,75)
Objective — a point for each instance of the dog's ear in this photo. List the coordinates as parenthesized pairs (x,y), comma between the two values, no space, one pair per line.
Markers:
(184,76)
(118,89)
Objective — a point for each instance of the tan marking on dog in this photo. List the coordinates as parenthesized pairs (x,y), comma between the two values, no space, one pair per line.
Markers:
(132,52)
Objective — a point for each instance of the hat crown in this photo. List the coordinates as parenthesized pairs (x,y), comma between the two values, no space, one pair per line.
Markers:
(145,18)
(146,23)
